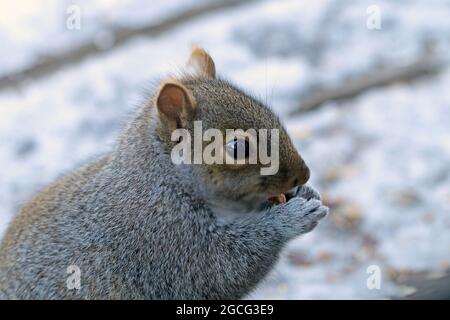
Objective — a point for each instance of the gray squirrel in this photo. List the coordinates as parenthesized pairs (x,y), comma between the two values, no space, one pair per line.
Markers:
(137,226)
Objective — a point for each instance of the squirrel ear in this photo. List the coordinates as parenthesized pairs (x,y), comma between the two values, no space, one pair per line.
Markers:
(201,64)
(175,104)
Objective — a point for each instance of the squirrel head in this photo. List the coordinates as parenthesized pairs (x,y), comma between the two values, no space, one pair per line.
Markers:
(198,95)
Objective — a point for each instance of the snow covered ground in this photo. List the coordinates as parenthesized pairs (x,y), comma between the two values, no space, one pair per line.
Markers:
(381,160)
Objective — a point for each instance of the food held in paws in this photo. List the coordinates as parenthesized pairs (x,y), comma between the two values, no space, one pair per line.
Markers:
(281,198)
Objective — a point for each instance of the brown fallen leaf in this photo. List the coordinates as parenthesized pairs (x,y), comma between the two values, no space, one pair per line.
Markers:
(406,198)
(324,256)
(338,172)
(347,216)
(298,258)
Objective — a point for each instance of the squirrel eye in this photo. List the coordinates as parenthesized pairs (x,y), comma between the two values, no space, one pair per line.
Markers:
(238,148)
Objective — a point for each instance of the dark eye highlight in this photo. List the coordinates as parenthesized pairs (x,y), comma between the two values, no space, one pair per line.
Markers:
(239,148)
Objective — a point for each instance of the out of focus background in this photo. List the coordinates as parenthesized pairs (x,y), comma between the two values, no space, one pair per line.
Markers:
(363,87)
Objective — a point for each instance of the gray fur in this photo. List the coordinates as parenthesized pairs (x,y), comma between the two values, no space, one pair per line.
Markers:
(140,227)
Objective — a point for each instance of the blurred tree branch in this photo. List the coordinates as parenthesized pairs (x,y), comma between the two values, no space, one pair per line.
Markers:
(373,79)
(119,35)
(428,288)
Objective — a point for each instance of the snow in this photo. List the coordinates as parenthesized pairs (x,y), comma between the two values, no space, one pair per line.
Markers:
(380,160)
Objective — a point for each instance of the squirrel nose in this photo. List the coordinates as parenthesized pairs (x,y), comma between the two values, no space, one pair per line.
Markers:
(300,176)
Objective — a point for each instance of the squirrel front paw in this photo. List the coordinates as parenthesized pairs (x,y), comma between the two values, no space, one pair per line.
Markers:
(306,192)
(299,215)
